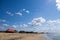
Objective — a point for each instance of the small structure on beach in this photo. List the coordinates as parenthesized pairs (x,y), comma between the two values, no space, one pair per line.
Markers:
(10,31)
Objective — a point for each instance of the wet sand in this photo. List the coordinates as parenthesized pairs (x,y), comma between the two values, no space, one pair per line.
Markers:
(21,36)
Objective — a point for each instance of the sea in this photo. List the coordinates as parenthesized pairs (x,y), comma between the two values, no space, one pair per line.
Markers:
(52,36)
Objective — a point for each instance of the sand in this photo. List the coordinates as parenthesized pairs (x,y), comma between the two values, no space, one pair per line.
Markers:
(21,36)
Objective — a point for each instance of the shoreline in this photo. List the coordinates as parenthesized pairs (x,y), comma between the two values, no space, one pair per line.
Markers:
(47,38)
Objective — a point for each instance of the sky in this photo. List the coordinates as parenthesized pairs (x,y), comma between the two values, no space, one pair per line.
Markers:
(30,15)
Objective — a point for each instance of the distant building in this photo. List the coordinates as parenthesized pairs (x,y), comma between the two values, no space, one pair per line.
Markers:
(10,31)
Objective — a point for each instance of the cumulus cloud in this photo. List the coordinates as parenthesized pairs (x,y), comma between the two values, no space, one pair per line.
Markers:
(23,25)
(9,13)
(24,9)
(40,24)
(5,25)
(14,26)
(58,4)
(19,13)
(27,11)
(57,21)
(37,21)
(2,20)
(41,29)
(54,25)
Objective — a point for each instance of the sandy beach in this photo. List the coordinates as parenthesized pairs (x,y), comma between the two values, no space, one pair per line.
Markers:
(21,36)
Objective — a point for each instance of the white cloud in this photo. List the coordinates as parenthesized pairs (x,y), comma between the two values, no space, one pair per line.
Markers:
(19,13)
(23,25)
(42,25)
(9,13)
(57,0)
(2,20)
(14,26)
(58,4)
(24,9)
(27,11)
(57,21)
(41,29)
(5,25)
(37,21)
(54,25)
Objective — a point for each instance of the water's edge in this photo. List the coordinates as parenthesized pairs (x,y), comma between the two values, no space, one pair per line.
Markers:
(47,38)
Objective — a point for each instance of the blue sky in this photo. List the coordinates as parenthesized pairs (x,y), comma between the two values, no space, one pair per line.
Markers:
(28,14)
